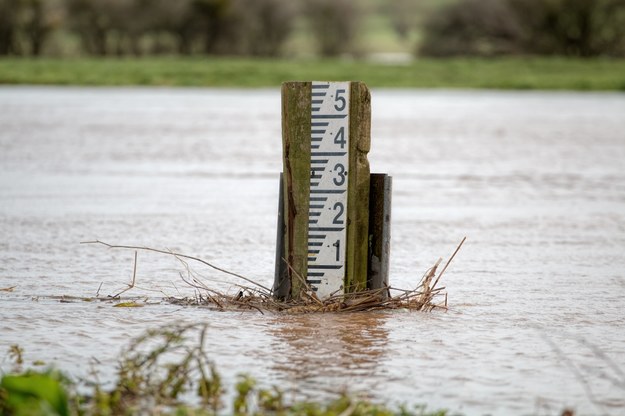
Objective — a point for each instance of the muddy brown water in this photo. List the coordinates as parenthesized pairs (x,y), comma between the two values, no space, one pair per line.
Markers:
(535,180)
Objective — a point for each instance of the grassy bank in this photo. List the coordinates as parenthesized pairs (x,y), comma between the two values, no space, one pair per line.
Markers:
(163,372)
(167,371)
(504,73)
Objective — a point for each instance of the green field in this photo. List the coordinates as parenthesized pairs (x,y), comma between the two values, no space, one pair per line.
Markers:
(501,73)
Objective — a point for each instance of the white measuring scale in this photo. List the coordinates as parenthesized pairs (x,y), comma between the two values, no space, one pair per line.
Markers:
(329,162)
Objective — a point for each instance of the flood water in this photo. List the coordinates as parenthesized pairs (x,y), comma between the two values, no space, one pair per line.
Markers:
(535,180)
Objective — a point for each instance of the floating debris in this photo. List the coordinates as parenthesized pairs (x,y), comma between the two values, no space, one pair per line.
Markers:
(427,295)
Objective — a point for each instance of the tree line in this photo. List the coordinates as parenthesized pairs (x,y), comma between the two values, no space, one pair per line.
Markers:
(262,27)
(583,28)
(141,27)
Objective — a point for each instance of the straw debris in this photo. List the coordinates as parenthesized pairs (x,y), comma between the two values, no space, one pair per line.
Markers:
(250,295)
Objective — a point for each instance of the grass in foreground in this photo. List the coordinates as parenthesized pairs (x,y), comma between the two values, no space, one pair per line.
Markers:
(161,373)
(156,373)
(502,73)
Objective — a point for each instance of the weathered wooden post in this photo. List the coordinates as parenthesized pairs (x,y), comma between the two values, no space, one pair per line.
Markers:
(380,192)
(324,242)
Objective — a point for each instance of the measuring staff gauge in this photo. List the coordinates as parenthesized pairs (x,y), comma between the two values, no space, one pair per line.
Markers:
(329,164)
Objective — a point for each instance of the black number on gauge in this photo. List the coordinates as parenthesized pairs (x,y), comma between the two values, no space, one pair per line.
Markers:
(340,138)
(338,249)
(340,170)
(341,100)
(341,209)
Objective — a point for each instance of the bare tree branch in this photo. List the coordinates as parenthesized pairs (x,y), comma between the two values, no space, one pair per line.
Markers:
(171,253)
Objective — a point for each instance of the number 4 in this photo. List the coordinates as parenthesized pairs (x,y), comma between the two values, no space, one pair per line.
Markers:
(340,137)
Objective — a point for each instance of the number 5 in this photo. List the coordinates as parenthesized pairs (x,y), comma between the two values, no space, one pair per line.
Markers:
(341,99)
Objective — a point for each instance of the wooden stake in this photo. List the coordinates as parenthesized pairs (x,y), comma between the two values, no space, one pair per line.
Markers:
(379,230)
(296,146)
(358,192)
(296,107)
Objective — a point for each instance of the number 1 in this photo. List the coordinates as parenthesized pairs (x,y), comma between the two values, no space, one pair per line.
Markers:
(338,249)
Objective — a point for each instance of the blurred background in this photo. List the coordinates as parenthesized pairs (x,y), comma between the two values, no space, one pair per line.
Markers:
(392,30)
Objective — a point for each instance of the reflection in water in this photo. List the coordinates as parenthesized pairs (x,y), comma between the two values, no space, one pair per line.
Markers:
(323,351)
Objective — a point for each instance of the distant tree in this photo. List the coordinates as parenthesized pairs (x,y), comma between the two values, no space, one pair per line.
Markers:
(175,18)
(547,27)
(108,27)
(572,27)
(334,24)
(39,19)
(403,15)
(25,25)
(160,26)
(214,17)
(266,25)
(472,27)
(91,20)
(183,23)
(9,23)
(610,37)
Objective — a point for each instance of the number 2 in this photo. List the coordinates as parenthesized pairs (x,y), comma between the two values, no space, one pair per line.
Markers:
(337,218)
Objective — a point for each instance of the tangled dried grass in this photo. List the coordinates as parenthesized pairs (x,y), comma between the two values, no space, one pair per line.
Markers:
(427,295)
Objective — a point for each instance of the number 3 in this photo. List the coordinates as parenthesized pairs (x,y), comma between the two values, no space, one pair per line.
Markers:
(340,170)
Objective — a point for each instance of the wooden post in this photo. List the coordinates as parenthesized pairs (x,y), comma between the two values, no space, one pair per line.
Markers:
(281,283)
(297,129)
(379,230)
(358,191)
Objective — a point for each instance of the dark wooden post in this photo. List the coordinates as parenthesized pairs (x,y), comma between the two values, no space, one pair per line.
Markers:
(281,282)
(379,230)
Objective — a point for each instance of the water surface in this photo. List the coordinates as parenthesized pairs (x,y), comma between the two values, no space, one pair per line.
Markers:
(534,180)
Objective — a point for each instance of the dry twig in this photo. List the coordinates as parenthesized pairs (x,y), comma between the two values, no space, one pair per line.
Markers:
(132,284)
(178,255)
